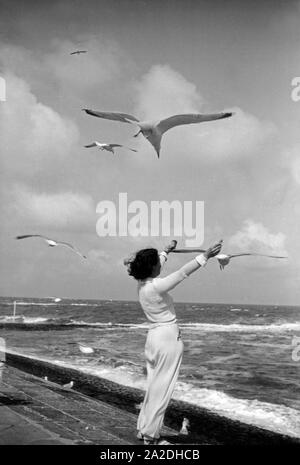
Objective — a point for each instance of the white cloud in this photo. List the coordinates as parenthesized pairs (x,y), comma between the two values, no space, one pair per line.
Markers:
(17,60)
(255,237)
(98,65)
(238,136)
(162,92)
(55,67)
(98,255)
(66,210)
(295,167)
(34,137)
(291,159)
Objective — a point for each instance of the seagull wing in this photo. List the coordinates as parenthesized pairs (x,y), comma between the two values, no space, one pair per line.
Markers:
(78,51)
(124,146)
(188,250)
(34,235)
(256,255)
(114,116)
(70,246)
(91,145)
(178,120)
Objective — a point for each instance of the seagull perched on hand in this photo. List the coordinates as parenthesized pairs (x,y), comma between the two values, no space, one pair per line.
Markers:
(154,130)
(53,243)
(224,259)
(108,147)
(78,52)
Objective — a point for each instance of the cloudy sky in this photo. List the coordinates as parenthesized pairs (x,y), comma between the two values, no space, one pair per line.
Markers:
(151,59)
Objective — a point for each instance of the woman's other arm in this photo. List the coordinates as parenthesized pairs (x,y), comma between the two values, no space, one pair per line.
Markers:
(163,256)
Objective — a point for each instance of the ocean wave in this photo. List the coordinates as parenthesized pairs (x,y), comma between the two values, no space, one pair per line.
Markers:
(108,324)
(238,310)
(61,303)
(272,417)
(39,304)
(205,327)
(235,327)
(84,305)
(35,322)
(32,320)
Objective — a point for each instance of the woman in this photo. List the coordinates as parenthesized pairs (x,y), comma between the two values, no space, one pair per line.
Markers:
(164,347)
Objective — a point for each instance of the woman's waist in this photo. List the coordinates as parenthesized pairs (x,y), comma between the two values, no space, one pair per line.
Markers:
(159,324)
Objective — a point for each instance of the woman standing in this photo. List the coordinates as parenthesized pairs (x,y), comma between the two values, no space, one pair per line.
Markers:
(164,347)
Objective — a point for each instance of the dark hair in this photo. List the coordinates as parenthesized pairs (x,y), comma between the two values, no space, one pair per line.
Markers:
(141,266)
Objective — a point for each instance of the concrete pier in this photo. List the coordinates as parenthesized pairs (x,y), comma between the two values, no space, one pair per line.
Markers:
(99,411)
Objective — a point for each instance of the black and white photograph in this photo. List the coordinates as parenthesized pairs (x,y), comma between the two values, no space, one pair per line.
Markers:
(150,219)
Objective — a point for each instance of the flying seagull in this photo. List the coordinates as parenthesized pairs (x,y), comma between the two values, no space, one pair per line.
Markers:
(224,259)
(154,130)
(78,52)
(53,243)
(108,147)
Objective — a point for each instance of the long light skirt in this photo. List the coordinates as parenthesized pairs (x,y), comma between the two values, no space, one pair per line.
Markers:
(163,351)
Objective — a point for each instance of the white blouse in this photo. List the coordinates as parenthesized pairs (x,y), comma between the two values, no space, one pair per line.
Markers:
(156,303)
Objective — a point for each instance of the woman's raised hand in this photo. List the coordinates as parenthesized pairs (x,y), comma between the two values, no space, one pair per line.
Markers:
(214,250)
(170,247)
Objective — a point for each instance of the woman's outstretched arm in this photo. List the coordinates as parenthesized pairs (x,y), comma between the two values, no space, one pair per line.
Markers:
(172,280)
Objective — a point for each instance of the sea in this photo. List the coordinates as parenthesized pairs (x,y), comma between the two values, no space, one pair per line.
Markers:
(240,361)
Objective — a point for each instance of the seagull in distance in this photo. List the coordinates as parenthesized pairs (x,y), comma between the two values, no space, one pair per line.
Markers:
(154,130)
(224,259)
(86,349)
(78,52)
(53,243)
(55,299)
(108,147)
